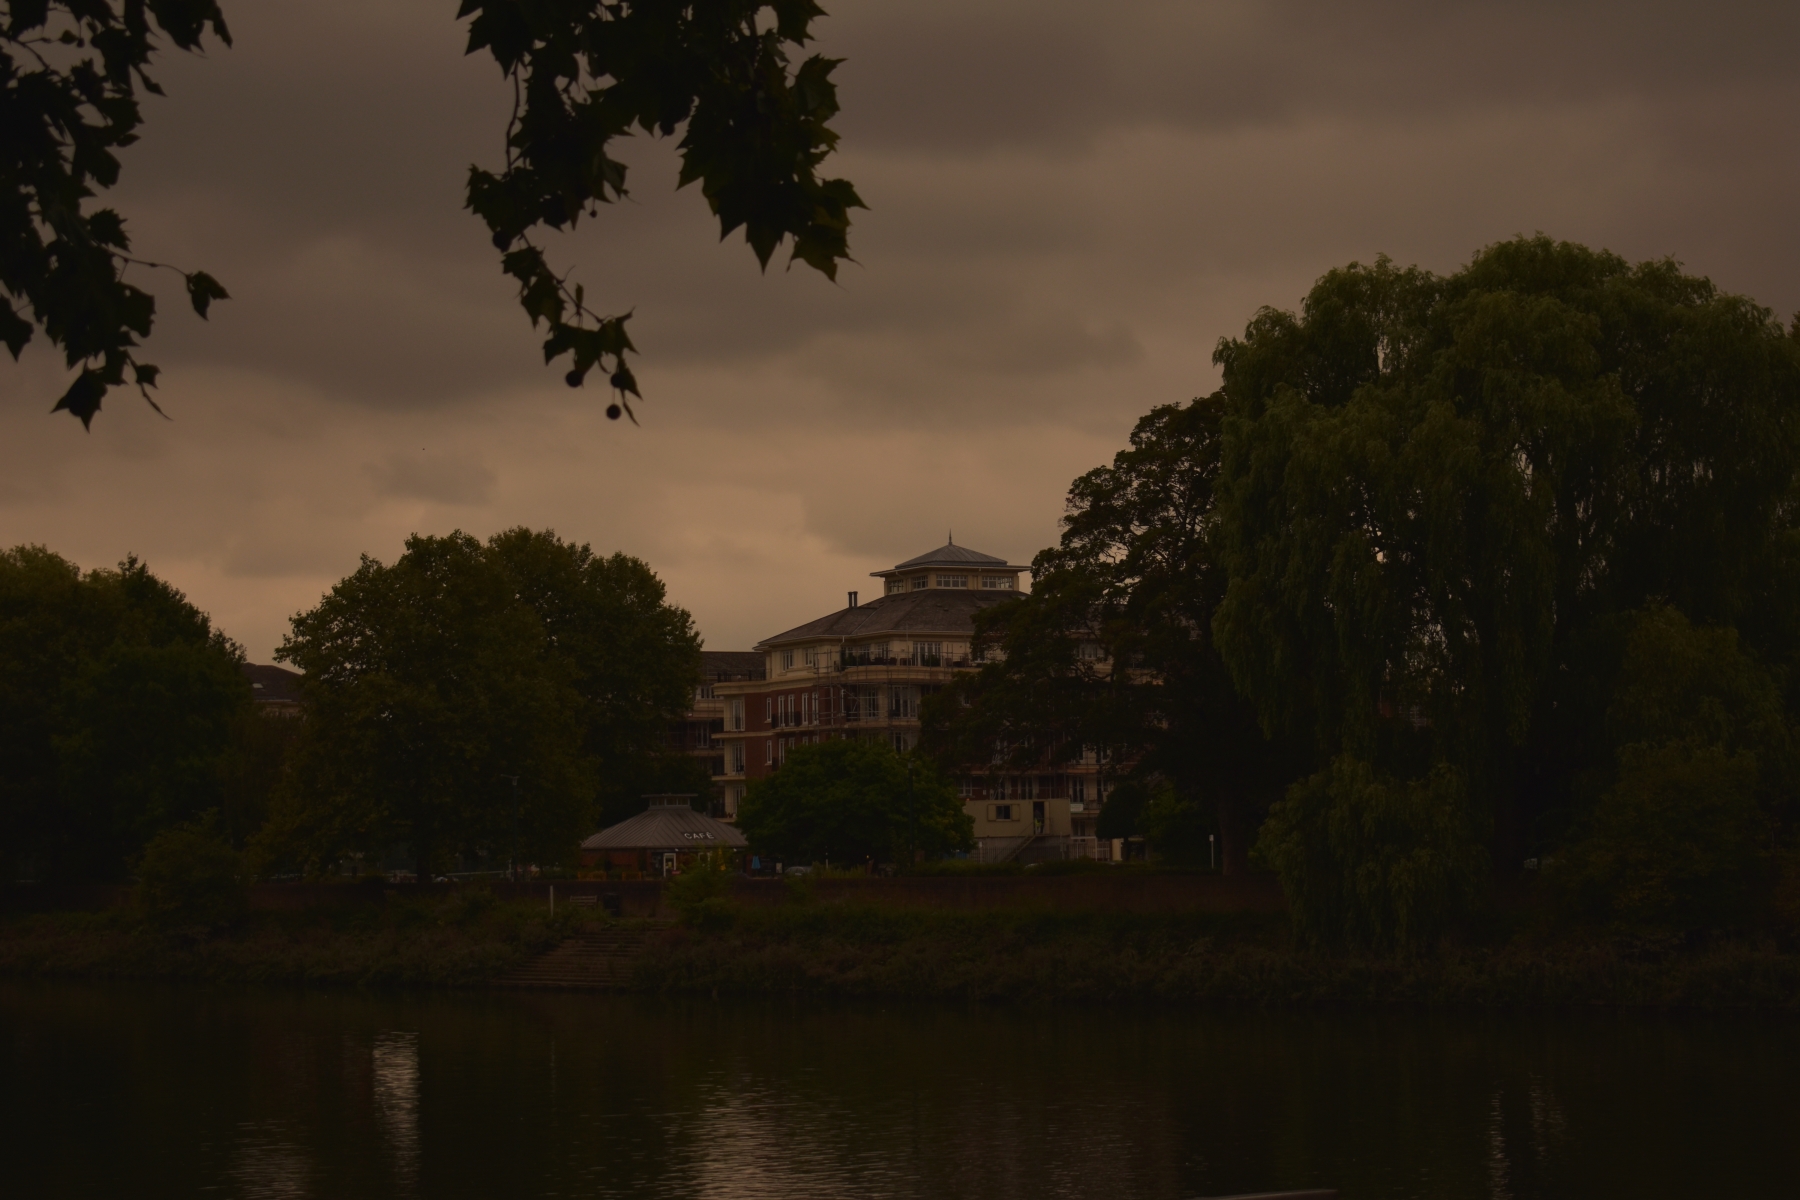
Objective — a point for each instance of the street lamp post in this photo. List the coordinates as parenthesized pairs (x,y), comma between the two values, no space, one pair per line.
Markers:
(512,864)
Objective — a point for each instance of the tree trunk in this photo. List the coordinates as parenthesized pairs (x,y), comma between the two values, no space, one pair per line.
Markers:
(1234,835)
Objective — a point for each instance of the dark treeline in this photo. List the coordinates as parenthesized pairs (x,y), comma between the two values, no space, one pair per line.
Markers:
(122,712)
(1449,576)
(465,704)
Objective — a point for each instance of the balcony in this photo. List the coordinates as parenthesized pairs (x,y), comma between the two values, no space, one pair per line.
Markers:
(850,661)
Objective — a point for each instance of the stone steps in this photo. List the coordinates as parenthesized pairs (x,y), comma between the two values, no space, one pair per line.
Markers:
(600,959)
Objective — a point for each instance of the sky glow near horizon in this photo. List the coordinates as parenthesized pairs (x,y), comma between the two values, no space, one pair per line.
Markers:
(1069,206)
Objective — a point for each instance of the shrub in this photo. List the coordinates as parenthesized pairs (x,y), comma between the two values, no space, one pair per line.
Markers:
(701,895)
(1678,843)
(1372,862)
(851,802)
(1177,828)
(189,876)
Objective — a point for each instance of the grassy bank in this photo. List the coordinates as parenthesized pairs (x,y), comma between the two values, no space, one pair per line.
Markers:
(875,951)
(1246,958)
(461,940)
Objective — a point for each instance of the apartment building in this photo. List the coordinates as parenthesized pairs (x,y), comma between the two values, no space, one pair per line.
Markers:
(697,733)
(864,670)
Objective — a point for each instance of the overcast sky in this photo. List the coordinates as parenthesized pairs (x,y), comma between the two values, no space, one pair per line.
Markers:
(1069,205)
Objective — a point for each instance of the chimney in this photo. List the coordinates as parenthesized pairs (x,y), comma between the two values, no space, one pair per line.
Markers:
(852,599)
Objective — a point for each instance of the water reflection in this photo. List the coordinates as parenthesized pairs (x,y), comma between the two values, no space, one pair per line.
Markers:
(270,1166)
(190,1092)
(396,1077)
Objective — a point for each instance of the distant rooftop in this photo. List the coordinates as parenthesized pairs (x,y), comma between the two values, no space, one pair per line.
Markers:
(273,685)
(947,611)
(951,555)
(723,666)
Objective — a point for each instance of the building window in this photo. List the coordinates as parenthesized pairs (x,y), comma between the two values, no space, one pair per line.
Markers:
(1078,790)
(922,581)
(896,585)
(965,788)
(903,741)
(1002,583)
(903,703)
(768,751)
(1091,652)
(1001,812)
(734,713)
(957,581)
(735,757)
(806,656)
(787,660)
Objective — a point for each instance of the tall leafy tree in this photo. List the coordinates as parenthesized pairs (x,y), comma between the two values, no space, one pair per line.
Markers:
(118,705)
(431,682)
(756,128)
(1113,647)
(1442,499)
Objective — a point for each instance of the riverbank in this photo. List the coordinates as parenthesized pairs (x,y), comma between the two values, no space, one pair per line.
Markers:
(1024,958)
(470,938)
(457,940)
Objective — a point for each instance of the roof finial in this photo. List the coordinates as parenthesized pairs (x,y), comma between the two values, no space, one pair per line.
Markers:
(952,536)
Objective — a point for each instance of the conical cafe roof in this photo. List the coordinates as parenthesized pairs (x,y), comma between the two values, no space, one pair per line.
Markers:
(668,825)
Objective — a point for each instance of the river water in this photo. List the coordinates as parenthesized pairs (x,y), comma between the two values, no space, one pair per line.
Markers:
(127,1091)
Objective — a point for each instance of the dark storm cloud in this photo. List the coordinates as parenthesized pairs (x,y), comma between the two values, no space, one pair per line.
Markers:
(318,168)
(1070,204)
(1025,72)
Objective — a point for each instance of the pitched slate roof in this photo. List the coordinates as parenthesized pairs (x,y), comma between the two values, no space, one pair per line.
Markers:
(717,666)
(930,610)
(667,827)
(273,685)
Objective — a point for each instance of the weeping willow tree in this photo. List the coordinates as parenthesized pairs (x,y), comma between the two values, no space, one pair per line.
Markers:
(1444,504)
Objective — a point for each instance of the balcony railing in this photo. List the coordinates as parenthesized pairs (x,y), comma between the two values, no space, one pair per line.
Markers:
(917,660)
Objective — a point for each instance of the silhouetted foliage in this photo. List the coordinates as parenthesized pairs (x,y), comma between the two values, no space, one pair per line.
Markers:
(1112,650)
(70,71)
(430,681)
(1683,836)
(584,72)
(118,703)
(1372,862)
(849,801)
(1502,564)
(190,876)
(1443,499)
